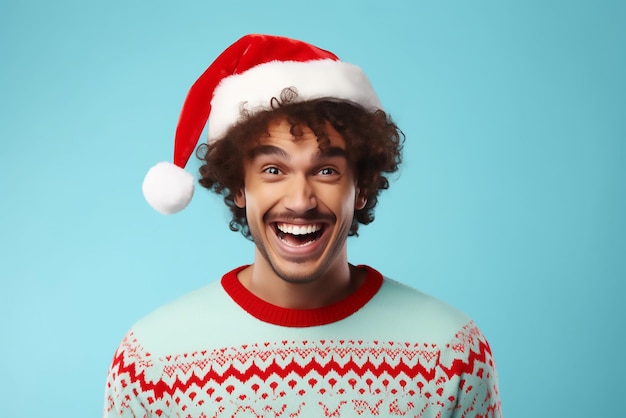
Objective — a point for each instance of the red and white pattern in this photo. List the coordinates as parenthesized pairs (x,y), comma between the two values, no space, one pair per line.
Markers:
(325,378)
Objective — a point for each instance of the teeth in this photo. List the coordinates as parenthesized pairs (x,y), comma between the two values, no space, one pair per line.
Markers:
(298,229)
(304,244)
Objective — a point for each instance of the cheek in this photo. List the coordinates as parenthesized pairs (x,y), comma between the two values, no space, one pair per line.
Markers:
(342,199)
(261,200)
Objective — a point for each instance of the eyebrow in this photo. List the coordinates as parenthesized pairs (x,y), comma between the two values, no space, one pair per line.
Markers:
(267,150)
(329,152)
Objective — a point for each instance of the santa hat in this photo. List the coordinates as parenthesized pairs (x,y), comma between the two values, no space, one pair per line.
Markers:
(248,74)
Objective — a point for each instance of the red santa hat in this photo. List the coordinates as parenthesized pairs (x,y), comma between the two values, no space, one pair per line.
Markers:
(248,74)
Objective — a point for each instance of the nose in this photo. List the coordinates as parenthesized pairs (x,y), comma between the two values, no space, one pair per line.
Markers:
(300,195)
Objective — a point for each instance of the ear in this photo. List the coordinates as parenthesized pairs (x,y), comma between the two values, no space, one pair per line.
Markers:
(360,199)
(240,199)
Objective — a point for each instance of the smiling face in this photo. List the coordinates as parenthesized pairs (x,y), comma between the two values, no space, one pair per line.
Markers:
(299,203)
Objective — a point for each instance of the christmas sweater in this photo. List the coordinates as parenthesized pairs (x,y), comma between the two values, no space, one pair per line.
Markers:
(386,350)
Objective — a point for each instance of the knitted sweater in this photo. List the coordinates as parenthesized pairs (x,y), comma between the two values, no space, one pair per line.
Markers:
(386,350)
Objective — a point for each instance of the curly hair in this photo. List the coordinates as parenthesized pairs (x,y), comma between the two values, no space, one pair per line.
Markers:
(373,141)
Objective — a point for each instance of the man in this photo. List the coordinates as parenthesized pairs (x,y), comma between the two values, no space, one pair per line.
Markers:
(299,148)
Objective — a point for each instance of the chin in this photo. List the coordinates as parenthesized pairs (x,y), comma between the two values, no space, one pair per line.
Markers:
(296,275)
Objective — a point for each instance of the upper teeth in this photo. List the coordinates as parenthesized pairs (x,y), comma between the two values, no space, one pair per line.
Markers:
(299,229)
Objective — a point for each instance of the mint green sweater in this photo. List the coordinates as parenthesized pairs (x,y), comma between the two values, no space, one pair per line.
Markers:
(386,350)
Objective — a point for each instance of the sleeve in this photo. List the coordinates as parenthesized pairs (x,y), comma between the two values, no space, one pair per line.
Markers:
(477,393)
(124,392)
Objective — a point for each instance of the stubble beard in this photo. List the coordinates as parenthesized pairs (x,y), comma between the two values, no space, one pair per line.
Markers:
(291,276)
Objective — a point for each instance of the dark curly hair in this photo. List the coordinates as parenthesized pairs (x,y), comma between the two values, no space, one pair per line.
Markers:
(373,141)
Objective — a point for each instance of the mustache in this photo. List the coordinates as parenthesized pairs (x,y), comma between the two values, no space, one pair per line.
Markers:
(312,215)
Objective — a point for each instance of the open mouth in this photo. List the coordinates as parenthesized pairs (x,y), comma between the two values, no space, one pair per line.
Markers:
(298,235)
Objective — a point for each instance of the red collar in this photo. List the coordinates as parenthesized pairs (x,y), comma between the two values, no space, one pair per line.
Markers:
(276,315)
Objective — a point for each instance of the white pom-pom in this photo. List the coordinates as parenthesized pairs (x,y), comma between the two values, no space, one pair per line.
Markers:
(168,188)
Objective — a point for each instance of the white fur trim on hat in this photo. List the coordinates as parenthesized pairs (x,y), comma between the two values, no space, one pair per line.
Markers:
(254,89)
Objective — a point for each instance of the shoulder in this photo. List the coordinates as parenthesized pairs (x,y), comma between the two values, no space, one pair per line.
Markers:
(414,304)
(418,301)
(405,310)
(184,307)
(416,316)
(177,319)
(188,322)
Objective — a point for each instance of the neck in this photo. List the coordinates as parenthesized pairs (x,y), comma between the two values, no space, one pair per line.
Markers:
(337,282)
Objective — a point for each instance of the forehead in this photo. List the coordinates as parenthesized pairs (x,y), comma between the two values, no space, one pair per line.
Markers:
(280,131)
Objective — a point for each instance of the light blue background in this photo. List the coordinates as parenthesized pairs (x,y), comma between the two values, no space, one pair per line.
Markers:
(510,204)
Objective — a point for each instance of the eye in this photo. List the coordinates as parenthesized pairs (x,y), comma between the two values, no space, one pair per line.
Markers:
(327,171)
(272,170)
